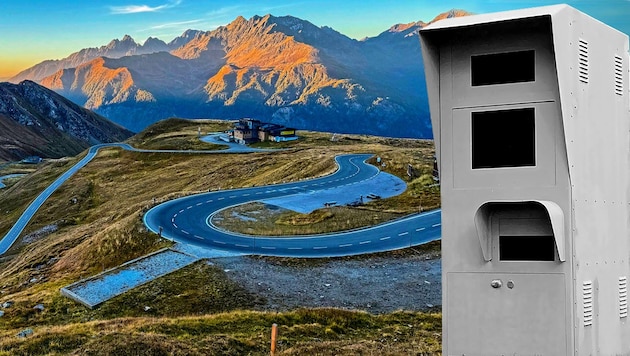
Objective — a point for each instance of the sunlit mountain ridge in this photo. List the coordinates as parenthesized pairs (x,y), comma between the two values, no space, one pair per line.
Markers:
(280,69)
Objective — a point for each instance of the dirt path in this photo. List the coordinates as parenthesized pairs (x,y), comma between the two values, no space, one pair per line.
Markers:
(377,284)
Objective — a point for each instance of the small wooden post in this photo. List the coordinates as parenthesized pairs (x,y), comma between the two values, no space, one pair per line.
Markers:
(274,335)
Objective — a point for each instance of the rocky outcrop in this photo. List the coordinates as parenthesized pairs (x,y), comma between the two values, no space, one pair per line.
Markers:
(37,121)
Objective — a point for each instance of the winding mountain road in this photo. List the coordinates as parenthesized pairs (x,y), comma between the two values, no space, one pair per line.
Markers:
(9,239)
(188,219)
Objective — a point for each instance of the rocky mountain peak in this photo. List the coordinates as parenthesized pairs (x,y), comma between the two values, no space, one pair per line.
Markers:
(125,45)
(183,39)
(153,44)
(450,14)
(404,27)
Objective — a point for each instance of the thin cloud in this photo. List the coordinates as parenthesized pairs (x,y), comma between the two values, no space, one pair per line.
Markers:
(269,9)
(174,24)
(134,9)
(227,11)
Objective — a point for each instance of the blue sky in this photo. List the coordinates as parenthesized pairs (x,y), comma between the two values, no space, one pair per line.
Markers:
(35,30)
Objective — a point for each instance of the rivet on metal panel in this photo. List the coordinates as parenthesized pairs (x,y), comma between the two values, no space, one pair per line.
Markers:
(510,284)
(496,283)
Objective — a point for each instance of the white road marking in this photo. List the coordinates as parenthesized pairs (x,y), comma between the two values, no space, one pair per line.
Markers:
(436,225)
(221,198)
(259,193)
(190,207)
(319,247)
(218,242)
(241,245)
(403,233)
(246,194)
(173,220)
(181,211)
(209,201)
(185,232)
(199,237)
(199,204)
(175,226)
(174,216)
(232,196)
(420,229)
(345,245)
(295,248)
(385,238)
(268,248)
(364,242)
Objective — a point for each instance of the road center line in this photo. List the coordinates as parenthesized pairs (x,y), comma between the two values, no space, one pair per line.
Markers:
(385,238)
(403,233)
(319,247)
(218,242)
(436,225)
(198,204)
(175,226)
(241,245)
(420,229)
(345,245)
(185,232)
(364,242)
(199,237)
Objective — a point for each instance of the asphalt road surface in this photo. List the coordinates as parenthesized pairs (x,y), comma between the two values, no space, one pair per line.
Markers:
(188,220)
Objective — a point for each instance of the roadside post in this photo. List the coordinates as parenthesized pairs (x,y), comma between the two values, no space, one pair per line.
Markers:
(274,336)
(530,116)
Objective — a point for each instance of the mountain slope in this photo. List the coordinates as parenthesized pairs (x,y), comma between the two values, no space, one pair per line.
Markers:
(37,121)
(114,49)
(279,69)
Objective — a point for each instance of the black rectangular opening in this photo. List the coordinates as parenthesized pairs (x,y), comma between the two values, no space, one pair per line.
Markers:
(503,138)
(503,68)
(526,248)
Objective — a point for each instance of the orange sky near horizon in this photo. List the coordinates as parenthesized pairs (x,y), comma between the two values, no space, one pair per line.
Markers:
(10,67)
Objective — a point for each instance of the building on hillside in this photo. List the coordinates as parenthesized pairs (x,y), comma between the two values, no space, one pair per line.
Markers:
(245,131)
(282,134)
(251,130)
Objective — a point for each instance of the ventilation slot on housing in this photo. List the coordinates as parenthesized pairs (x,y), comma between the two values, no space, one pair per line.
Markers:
(618,75)
(583,61)
(623,297)
(587,298)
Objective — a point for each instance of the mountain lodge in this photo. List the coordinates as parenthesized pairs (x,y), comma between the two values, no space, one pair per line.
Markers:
(251,130)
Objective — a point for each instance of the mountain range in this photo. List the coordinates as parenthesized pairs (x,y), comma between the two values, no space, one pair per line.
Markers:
(278,69)
(37,121)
